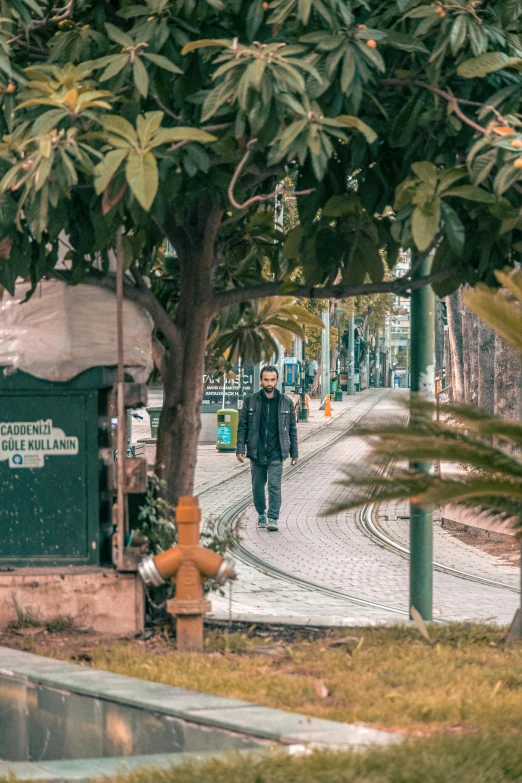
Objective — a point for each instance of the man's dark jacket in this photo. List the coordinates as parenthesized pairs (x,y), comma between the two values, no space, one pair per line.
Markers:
(248,427)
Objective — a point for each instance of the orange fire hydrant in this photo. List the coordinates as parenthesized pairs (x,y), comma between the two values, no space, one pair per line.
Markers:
(188,565)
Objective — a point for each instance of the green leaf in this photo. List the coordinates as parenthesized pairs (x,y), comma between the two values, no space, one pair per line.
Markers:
(205,43)
(348,69)
(101,62)
(506,177)
(354,122)
(254,18)
(147,125)
(304,8)
(482,166)
(162,62)
(339,205)
(425,224)
(293,242)
(114,68)
(458,33)
(141,77)
(454,229)
(472,193)
(114,123)
(372,258)
(170,135)
(48,121)
(118,36)
(107,168)
(142,175)
(486,63)
(448,178)
(427,172)
(408,43)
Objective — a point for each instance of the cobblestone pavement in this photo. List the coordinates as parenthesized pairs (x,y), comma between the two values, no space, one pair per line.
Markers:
(332,550)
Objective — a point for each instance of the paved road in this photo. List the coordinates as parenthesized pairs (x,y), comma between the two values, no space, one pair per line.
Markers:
(331,550)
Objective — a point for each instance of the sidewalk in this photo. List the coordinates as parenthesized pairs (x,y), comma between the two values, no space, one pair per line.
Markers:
(333,551)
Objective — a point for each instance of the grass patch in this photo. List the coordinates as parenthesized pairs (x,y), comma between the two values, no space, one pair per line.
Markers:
(476,758)
(467,679)
(442,759)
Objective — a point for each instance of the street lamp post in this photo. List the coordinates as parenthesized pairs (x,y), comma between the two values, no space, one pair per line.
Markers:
(339,311)
(240,393)
(325,354)
(351,356)
(422,386)
(377,361)
(367,355)
(303,410)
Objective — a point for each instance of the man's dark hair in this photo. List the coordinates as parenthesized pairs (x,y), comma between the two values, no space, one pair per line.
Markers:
(270,368)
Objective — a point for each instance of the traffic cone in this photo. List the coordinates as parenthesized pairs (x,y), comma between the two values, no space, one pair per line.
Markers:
(307,403)
(328,406)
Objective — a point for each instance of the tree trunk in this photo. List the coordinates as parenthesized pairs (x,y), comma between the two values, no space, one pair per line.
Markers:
(455,344)
(180,421)
(507,380)
(183,365)
(439,338)
(470,354)
(474,358)
(486,367)
(314,388)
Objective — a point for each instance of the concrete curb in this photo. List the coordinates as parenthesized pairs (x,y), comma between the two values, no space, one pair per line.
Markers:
(223,717)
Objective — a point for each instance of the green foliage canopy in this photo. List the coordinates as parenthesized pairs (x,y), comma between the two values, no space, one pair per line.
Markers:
(155,116)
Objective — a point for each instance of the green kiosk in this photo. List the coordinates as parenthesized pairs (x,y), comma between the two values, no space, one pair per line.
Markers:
(57,492)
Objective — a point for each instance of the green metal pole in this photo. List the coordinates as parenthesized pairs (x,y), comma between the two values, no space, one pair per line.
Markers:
(240,394)
(377,382)
(367,356)
(351,357)
(422,386)
(303,410)
(338,391)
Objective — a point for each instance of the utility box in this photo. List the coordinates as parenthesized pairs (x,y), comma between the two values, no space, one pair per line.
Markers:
(227,421)
(154,415)
(291,366)
(55,457)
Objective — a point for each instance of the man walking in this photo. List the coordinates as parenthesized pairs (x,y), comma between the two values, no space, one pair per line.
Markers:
(267,435)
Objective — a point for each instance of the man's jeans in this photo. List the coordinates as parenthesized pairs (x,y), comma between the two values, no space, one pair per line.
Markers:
(261,474)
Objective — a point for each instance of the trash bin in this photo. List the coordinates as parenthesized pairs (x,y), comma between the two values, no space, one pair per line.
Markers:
(227,419)
(154,414)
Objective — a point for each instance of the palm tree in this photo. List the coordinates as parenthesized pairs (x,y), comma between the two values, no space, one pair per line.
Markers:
(489,447)
(255,330)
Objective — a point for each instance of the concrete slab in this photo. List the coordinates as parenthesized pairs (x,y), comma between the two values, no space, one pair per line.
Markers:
(97,598)
(191,711)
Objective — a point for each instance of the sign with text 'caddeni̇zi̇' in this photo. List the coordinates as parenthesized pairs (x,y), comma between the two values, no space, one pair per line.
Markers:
(25,444)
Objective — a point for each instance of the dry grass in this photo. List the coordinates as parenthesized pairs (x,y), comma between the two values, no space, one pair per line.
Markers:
(443,759)
(466,679)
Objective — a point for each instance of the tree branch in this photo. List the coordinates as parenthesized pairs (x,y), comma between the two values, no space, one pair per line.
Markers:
(402,286)
(142,296)
(436,91)
(63,13)
(162,320)
(255,199)
(159,354)
(166,109)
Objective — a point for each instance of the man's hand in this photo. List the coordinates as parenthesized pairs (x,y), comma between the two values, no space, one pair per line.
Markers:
(241,457)
(294,461)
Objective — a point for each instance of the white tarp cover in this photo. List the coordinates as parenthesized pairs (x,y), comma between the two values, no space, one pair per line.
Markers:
(64,330)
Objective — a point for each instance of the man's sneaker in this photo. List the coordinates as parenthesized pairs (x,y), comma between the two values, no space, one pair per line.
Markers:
(262,522)
(272,525)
